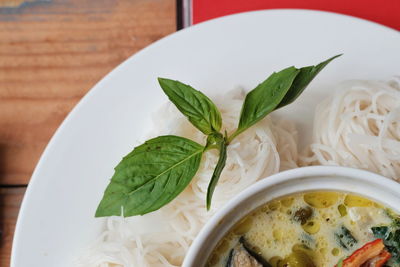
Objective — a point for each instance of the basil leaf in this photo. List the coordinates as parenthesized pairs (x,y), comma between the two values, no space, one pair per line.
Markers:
(217,171)
(280,89)
(391,238)
(150,176)
(197,107)
(302,80)
(265,97)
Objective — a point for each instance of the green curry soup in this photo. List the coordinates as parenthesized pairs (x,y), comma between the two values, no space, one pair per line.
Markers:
(312,229)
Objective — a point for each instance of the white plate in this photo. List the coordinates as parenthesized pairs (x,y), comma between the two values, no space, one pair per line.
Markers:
(57,215)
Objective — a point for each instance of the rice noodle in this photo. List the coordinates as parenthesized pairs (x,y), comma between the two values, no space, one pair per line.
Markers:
(262,150)
(359,126)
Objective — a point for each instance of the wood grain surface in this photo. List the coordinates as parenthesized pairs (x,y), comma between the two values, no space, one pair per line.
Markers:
(10,201)
(51,53)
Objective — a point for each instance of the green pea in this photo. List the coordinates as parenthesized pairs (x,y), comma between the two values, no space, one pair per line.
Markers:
(335,251)
(311,227)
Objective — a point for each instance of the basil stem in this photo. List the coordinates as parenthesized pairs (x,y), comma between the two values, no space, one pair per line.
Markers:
(218,169)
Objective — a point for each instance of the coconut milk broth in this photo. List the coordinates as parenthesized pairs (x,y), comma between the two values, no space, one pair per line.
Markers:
(315,223)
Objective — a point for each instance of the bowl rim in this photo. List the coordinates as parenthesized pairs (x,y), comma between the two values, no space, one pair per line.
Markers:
(275,179)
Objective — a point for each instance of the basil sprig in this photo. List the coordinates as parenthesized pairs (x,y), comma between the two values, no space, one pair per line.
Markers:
(154,173)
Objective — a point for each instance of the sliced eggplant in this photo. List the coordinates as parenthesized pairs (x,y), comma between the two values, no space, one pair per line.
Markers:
(242,255)
(345,239)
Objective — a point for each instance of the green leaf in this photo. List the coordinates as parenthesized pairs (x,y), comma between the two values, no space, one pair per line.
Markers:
(150,176)
(381,232)
(197,107)
(218,169)
(265,97)
(391,238)
(278,90)
(302,80)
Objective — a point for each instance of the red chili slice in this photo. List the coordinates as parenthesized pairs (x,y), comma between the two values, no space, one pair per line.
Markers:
(379,260)
(364,254)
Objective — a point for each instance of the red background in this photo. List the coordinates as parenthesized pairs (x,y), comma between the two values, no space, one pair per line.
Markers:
(386,12)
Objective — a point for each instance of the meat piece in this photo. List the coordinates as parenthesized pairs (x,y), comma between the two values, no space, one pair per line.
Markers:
(243,256)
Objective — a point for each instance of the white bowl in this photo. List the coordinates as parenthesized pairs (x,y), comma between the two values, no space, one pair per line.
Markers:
(370,185)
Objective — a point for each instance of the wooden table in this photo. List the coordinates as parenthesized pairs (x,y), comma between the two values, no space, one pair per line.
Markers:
(51,53)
